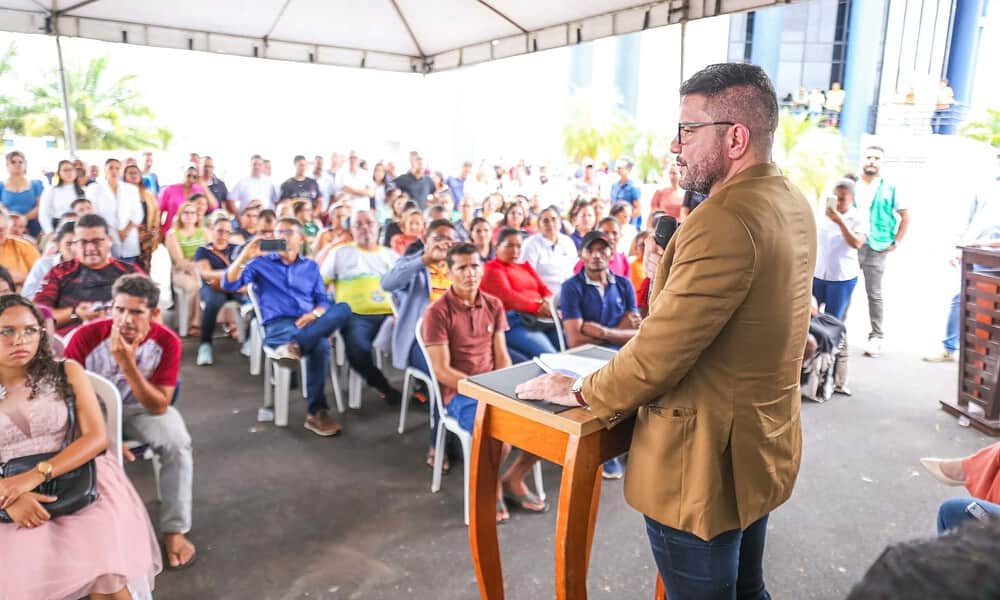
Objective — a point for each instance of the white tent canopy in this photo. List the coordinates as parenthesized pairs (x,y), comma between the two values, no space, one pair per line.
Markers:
(419,36)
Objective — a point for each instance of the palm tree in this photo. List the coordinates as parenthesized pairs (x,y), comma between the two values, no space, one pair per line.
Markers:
(12,110)
(986,130)
(106,113)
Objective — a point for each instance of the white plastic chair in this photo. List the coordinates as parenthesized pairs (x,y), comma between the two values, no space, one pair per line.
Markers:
(111,400)
(278,376)
(410,376)
(560,333)
(449,423)
(355,382)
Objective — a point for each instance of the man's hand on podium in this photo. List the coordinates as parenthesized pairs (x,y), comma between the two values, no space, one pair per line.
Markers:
(551,387)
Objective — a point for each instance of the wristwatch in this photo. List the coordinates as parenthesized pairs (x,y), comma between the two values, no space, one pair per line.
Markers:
(45,468)
(317,313)
(73,316)
(577,391)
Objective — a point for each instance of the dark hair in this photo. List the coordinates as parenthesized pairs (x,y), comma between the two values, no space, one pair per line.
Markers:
(137,285)
(738,92)
(142,184)
(290,221)
(436,223)
(6,276)
(194,197)
(618,207)
(93,220)
(553,209)
(578,205)
(608,220)
(65,228)
(111,160)
(256,157)
(267,214)
(960,566)
(79,200)
(510,208)
(436,208)
(300,205)
(875,147)
(76,184)
(477,221)
(852,176)
(505,233)
(460,249)
(42,368)
(297,158)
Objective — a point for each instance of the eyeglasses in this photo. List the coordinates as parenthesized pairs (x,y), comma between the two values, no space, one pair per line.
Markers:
(93,242)
(9,334)
(285,231)
(686,129)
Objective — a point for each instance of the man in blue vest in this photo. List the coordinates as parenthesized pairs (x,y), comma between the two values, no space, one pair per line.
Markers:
(889,219)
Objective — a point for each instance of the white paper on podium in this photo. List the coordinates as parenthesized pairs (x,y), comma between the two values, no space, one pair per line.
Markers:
(571,365)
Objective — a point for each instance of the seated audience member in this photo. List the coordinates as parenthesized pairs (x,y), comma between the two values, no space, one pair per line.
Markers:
(416,280)
(601,207)
(248,224)
(356,271)
(16,254)
(481,236)
(413,229)
(79,290)
(298,318)
(97,550)
(960,566)
(584,219)
(64,238)
(212,260)
(622,212)
(82,206)
(515,217)
(525,298)
(303,211)
(550,252)
(400,203)
(182,241)
(598,307)
(17,227)
(142,359)
(267,222)
(464,334)
(979,473)
(338,234)
(492,209)
(437,212)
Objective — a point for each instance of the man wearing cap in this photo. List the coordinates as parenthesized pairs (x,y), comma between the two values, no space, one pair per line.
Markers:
(599,308)
(624,190)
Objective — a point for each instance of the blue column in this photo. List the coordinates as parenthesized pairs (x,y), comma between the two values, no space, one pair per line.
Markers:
(861,73)
(627,71)
(581,66)
(765,51)
(963,53)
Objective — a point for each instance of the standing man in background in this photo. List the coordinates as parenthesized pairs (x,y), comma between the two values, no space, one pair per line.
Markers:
(888,222)
(714,369)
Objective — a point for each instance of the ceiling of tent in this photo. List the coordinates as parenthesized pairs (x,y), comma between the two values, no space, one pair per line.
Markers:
(397,35)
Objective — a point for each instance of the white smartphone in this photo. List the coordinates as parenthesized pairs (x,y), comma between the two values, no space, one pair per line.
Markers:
(831,202)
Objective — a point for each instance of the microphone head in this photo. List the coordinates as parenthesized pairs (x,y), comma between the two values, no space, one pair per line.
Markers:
(666,226)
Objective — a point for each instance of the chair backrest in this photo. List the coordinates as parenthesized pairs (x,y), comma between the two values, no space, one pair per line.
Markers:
(252,294)
(435,390)
(111,399)
(559,327)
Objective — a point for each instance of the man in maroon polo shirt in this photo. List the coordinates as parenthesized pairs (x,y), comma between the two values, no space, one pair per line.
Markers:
(464,335)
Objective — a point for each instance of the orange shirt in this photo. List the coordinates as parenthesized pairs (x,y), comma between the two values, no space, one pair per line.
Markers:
(18,255)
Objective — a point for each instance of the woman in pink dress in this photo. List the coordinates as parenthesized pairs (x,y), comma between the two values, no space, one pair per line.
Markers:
(105,550)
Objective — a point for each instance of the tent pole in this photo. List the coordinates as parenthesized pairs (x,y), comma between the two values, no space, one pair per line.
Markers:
(684,25)
(70,136)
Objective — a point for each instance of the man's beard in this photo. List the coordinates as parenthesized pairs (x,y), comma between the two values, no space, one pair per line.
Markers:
(871,170)
(699,178)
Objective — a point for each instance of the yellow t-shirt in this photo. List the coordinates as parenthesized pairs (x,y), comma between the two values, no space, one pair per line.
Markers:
(18,255)
(357,277)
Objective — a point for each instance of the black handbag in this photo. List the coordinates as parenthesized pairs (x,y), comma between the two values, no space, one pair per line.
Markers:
(73,490)
(535,323)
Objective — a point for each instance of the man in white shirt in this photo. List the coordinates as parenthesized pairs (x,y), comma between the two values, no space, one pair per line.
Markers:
(325,182)
(356,271)
(356,183)
(119,203)
(255,187)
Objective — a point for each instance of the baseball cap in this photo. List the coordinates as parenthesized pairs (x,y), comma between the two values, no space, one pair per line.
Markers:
(592,237)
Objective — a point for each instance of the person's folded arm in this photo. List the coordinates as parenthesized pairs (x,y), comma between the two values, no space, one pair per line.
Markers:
(446,375)
(497,282)
(402,272)
(713,267)
(573,328)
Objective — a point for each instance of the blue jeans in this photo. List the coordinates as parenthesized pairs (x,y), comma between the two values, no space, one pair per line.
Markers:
(953,328)
(953,513)
(213,299)
(463,409)
(314,343)
(726,567)
(835,295)
(359,333)
(527,342)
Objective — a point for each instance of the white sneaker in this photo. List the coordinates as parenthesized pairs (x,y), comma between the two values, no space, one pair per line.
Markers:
(285,353)
(204,355)
(874,347)
(940,357)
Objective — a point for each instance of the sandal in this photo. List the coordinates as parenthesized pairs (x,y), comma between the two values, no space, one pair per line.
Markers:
(180,567)
(528,498)
(445,464)
(501,511)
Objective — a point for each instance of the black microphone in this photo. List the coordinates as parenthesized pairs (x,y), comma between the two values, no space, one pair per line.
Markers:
(666,226)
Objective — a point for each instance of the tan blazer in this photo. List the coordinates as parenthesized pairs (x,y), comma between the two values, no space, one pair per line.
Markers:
(714,369)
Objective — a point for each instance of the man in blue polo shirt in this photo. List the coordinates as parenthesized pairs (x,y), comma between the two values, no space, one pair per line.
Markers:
(624,190)
(599,308)
(297,315)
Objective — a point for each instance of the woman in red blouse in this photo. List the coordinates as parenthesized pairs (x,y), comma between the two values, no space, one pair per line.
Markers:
(525,298)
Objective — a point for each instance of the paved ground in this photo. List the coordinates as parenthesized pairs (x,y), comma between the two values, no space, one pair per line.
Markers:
(281,513)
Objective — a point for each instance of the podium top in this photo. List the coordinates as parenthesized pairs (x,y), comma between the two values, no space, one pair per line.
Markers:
(497,388)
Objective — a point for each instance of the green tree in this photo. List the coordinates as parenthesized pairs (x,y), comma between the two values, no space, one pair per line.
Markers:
(811,156)
(12,109)
(986,129)
(107,113)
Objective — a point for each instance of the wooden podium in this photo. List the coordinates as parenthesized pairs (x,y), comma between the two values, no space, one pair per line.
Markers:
(573,438)
(978,396)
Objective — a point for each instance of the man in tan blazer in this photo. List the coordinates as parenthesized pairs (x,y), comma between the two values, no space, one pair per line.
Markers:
(714,369)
